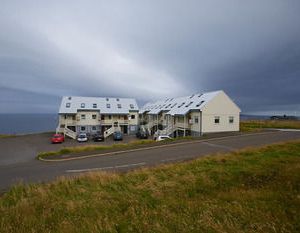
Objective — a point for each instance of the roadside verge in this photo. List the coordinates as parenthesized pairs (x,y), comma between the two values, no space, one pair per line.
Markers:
(77,153)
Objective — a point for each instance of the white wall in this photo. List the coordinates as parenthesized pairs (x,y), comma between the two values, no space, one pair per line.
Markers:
(88,118)
(223,107)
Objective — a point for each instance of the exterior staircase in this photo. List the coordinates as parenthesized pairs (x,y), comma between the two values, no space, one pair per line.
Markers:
(70,133)
(108,132)
(111,130)
(166,131)
(148,127)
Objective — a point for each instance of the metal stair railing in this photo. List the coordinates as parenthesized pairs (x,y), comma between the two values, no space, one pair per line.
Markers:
(70,133)
(109,132)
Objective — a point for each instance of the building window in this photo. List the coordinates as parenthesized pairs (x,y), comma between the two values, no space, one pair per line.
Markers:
(102,117)
(196,120)
(217,120)
(118,99)
(73,117)
(132,117)
(125,117)
(94,105)
(107,105)
(119,106)
(94,128)
(82,128)
(62,126)
(94,117)
(83,117)
(131,106)
(231,120)
(107,99)
(82,105)
(109,117)
(68,105)
(180,119)
(66,117)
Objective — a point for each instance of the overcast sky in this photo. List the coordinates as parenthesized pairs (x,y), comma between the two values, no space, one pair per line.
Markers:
(150,50)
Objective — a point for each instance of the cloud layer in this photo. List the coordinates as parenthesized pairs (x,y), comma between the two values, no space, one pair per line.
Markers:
(150,50)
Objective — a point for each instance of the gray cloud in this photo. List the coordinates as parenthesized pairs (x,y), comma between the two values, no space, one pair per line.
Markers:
(150,50)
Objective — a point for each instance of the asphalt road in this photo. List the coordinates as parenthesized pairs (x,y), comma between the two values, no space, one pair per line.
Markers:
(27,169)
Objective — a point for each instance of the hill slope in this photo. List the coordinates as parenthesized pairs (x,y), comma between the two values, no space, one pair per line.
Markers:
(250,191)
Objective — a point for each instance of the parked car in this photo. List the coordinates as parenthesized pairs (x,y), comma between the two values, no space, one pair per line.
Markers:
(82,137)
(57,138)
(98,137)
(163,137)
(118,136)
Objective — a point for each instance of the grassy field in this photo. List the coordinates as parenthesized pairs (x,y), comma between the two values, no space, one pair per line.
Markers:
(97,148)
(7,135)
(258,125)
(255,190)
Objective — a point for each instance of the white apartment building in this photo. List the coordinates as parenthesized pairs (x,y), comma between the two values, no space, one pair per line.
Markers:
(191,115)
(93,115)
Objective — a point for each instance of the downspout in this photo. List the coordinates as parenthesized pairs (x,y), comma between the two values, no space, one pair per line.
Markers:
(200,122)
(184,126)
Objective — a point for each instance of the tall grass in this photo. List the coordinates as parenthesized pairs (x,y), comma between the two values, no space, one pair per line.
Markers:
(249,191)
(257,125)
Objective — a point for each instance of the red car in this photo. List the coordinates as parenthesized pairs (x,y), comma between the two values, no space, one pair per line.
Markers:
(57,138)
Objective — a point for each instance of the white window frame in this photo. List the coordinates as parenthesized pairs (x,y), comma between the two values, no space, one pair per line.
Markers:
(196,120)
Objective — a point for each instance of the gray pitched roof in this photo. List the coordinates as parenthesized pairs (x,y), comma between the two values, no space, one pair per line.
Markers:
(180,105)
(106,105)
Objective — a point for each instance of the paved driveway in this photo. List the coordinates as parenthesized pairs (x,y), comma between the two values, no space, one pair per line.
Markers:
(30,170)
(21,149)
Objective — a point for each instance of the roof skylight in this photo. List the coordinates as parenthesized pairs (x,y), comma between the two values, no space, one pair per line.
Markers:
(189,104)
(181,105)
(198,105)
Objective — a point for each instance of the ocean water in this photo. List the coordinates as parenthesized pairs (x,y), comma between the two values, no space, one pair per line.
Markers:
(27,123)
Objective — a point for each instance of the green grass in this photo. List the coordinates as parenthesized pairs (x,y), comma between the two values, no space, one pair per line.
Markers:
(7,135)
(258,125)
(96,148)
(255,190)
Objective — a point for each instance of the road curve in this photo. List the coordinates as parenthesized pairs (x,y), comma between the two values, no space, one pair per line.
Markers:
(38,171)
